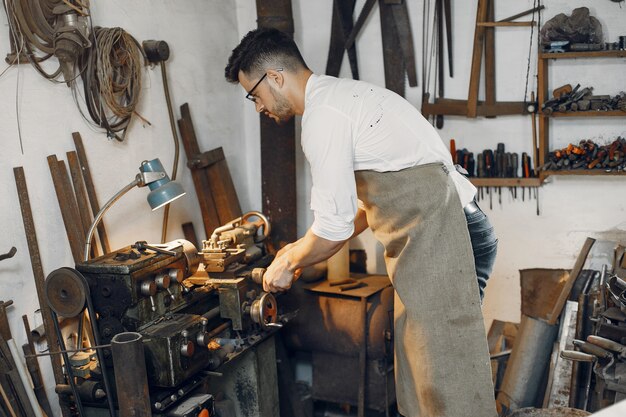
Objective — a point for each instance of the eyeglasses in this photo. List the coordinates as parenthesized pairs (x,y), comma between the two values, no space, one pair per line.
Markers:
(250,95)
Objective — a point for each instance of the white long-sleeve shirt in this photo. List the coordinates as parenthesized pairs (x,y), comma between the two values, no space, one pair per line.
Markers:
(350,125)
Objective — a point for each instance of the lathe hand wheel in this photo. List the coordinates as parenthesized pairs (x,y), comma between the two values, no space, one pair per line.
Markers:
(66,292)
(262,222)
(264,310)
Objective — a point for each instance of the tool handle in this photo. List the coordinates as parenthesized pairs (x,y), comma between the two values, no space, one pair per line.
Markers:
(607,344)
(592,349)
(574,355)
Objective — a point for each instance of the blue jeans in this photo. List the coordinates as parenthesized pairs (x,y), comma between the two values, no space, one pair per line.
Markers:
(484,246)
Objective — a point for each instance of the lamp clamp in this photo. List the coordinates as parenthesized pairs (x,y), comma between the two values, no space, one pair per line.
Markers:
(145,178)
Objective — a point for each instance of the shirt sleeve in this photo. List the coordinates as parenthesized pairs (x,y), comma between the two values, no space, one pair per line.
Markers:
(328,146)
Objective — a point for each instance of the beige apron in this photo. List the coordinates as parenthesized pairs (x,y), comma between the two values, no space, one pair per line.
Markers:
(441,354)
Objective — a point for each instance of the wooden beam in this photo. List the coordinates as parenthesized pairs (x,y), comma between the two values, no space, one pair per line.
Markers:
(69,209)
(490,58)
(503,24)
(208,209)
(91,190)
(477,52)
(567,288)
(81,198)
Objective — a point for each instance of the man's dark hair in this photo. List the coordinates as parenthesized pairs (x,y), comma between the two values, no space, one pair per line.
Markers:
(263,49)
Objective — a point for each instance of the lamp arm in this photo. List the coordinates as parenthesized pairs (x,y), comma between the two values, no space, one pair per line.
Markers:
(137,182)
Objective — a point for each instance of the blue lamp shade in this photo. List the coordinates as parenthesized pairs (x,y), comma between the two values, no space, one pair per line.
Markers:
(164,190)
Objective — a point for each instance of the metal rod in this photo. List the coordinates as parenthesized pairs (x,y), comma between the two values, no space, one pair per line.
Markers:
(39,277)
(68,351)
(103,210)
(170,112)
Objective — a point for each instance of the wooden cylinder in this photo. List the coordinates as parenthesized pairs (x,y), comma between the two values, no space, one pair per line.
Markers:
(339,264)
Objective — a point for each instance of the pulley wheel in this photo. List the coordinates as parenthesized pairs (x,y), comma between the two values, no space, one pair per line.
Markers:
(264,310)
(65,292)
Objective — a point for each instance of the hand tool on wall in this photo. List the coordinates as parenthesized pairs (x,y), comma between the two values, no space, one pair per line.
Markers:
(484,43)
(340,30)
(396,31)
(9,254)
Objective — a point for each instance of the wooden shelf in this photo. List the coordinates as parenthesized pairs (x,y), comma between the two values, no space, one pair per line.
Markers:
(587,54)
(505,182)
(591,172)
(589,113)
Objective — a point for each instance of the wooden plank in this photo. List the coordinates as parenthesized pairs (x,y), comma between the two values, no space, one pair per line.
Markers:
(477,52)
(91,190)
(190,234)
(586,54)
(69,210)
(81,198)
(505,182)
(454,107)
(589,113)
(278,146)
(504,24)
(578,266)
(594,172)
(208,209)
(490,57)
(39,277)
(541,289)
(223,190)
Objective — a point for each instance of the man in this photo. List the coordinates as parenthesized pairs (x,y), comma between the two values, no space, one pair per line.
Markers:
(363,140)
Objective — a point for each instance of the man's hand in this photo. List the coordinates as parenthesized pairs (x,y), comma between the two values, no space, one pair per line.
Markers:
(289,261)
(279,275)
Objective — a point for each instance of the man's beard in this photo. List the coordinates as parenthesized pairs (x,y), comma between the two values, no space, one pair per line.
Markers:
(281,109)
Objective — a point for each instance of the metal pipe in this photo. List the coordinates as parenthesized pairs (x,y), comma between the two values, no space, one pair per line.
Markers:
(528,361)
(131,376)
(103,210)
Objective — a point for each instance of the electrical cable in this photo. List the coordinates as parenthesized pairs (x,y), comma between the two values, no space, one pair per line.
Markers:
(112,79)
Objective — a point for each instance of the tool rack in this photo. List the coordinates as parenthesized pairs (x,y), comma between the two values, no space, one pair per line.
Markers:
(544,119)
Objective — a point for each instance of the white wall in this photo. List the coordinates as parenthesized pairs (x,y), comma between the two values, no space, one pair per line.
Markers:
(200,34)
(571,208)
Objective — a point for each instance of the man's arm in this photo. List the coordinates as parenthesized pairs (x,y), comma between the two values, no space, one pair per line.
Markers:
(360,223)
(307,251)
